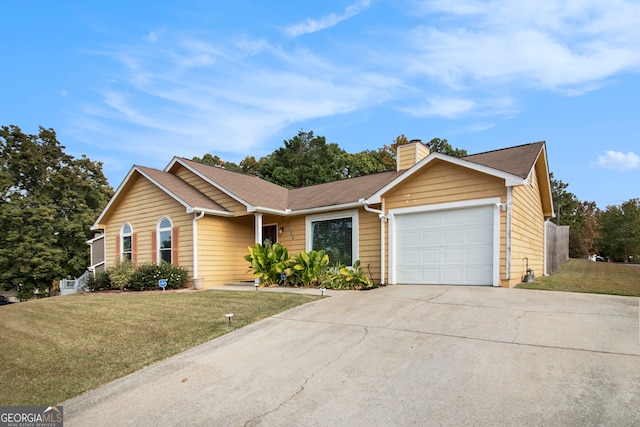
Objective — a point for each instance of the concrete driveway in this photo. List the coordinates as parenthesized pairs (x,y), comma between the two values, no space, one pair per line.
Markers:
(399,355)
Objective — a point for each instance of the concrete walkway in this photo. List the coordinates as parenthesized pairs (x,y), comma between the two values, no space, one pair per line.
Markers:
(399,355)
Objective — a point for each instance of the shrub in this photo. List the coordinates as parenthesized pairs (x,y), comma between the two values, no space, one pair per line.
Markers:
(348,278)
(147,276)
(99,281)
(309,267)
(120,275)
(268,262)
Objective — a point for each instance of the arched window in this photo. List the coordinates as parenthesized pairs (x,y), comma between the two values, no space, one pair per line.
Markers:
(126,242)
(164,238)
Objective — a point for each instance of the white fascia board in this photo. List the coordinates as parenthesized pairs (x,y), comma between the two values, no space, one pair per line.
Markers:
(543,152)
(209,211)
(510,179)
(208,180)
(260,209)
(322,209)
(95,225)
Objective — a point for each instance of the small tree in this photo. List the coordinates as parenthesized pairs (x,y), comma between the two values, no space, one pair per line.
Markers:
(620,231)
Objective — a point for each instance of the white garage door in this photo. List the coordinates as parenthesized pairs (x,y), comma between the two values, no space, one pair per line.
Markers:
(450,247)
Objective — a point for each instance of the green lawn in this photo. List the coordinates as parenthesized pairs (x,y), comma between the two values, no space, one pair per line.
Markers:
(578,275)
(57,348)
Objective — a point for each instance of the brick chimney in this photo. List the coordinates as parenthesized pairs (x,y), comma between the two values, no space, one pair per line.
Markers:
(410,154)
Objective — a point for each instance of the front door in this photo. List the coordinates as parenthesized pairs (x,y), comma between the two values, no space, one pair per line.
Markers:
(269,234)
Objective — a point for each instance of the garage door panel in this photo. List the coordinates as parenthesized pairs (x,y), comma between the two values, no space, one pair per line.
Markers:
(411,275)
(431,238)
(431,257)
(452,237)
(452,218)
(411,257)
(430,276)
(478,234)
(477,256)
(453,256)
(445,247)
(474,275)
(452,276)
(410,240)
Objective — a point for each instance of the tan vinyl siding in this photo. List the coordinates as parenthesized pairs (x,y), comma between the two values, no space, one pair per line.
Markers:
(410,154)
(142,205)
(293,235)
(442,182)
(209,190)
(222,245)
(369,244)
(527,231)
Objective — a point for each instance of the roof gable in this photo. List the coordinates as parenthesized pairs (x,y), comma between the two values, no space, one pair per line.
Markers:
(512,164)
(173,186)
(251,191)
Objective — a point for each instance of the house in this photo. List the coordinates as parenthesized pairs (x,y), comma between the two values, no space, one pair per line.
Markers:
(476,220)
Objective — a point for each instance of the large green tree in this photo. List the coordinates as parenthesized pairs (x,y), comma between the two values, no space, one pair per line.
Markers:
(304,160)
(619,236)
(48,201)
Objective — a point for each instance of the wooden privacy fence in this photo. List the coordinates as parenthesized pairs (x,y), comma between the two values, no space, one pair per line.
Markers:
(557,246)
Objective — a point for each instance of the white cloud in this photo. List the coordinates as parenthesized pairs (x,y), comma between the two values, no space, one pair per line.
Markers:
(563,46)
(313,25)
(618,160)
(457,107)
(195,96)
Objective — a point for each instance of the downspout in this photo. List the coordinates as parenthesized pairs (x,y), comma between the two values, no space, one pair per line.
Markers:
(383,219)
(196,217)
(508,237)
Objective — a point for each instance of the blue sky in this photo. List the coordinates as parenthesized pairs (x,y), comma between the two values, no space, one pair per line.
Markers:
(137,82)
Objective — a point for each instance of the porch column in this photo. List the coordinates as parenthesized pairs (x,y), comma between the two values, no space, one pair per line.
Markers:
(258,224)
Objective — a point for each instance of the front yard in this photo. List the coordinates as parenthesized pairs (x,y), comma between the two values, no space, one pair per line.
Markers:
(57,348)
(578,275)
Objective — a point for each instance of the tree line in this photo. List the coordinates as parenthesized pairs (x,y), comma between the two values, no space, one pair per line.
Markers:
(613,233)
(307,159)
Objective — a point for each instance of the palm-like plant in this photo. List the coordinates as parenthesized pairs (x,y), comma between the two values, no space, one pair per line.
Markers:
(268,262)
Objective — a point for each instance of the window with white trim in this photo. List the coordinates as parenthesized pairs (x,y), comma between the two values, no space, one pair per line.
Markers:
(336,233)
(164,240)
(126,242)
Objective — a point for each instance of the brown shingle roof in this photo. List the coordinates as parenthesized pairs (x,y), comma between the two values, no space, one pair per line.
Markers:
(517,160)
(181,189)
(339,192)
(255,191)
(251,189)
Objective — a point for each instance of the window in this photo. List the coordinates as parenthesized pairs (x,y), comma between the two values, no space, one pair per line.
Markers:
(164,237)
(126,236)
(335,233)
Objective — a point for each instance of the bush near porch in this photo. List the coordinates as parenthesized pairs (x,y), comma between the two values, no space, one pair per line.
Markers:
(273,266)
(143,277)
